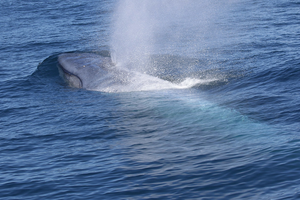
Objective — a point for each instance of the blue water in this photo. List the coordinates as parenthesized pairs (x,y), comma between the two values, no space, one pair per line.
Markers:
(234,137)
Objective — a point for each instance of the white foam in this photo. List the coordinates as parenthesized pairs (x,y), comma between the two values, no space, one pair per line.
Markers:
(191,82)
(135,81)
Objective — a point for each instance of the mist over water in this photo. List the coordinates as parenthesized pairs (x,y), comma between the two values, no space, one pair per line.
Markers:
(142,28)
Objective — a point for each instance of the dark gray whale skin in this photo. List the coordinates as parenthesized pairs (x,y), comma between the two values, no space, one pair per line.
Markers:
(82,70)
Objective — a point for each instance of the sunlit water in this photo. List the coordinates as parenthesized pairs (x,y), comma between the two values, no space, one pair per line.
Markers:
(230,131)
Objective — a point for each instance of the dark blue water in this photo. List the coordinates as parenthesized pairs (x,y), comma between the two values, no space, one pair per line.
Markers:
(234,137)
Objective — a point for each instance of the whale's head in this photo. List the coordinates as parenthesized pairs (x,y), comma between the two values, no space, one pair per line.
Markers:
(82,70)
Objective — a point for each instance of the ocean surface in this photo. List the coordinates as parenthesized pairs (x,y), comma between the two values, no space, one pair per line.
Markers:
(232,131)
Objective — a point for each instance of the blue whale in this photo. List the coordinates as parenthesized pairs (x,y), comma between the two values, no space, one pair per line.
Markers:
(95,72)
